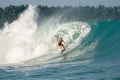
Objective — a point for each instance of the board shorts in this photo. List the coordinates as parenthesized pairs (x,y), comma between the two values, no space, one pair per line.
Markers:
(60,44)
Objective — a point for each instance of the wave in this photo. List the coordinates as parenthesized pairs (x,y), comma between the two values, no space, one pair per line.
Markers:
(28,41)
(25,39)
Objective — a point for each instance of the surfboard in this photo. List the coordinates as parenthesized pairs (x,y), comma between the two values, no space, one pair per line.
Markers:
(63,50)
(67,49)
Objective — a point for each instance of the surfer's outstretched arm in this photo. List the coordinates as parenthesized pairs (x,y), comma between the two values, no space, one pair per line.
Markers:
(63,41)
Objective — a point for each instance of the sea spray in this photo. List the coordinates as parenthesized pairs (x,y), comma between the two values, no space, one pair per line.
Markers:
(16,38)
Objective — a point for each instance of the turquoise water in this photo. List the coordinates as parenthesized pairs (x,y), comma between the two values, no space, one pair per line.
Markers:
(95,57)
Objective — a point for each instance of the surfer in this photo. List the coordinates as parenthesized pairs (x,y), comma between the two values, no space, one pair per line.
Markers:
(60,44)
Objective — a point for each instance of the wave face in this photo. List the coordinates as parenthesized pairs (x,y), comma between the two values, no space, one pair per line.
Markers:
(92,49)
(106,33)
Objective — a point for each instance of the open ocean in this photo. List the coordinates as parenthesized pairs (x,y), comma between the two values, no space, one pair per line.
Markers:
(29,51)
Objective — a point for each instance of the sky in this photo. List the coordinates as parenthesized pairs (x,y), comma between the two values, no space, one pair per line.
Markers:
(4,3)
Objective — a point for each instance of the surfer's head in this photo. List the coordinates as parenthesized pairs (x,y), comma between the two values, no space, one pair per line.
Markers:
(61,38)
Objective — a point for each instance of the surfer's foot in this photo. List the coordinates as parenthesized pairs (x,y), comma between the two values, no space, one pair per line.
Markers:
(63,50)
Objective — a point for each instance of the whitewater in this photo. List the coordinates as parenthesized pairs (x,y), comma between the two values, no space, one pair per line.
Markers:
(29,50)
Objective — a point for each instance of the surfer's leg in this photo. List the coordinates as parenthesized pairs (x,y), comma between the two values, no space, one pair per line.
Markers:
(63,48)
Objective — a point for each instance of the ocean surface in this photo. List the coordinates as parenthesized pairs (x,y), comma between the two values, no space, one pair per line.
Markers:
(29,51)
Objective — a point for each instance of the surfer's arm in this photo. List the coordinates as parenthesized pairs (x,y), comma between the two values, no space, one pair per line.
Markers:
(63,41)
